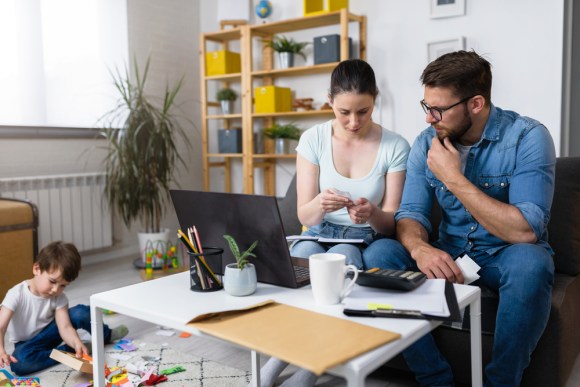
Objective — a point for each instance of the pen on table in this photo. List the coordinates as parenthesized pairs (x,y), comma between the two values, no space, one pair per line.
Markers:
(383,313)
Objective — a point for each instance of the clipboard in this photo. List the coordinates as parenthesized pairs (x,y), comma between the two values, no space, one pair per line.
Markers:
(450,298)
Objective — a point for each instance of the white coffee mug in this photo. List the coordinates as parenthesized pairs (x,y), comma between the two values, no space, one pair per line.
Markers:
(327,277)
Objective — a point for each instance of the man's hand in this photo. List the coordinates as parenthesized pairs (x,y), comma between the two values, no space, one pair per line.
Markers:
(360,211)
(444,160)
(437,263)
(6,359)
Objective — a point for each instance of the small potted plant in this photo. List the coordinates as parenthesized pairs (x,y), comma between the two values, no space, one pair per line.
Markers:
(226,96)
(240,277)
(281,134)
(286,49)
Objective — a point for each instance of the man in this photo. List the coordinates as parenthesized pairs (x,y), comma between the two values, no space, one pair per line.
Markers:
(492,172)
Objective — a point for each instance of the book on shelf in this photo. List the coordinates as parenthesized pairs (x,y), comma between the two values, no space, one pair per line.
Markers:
(291,238)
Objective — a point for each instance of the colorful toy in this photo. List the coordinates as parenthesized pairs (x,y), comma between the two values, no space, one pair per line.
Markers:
(155,379)
(173,370)
(160,251)
(4,374)
(26,382)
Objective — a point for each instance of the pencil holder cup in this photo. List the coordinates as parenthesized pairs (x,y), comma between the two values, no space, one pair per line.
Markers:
(203,269)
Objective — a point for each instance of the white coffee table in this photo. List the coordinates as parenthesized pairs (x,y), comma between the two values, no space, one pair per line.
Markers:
(168,302)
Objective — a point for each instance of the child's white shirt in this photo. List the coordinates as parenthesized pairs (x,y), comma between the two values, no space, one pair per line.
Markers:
(31,313)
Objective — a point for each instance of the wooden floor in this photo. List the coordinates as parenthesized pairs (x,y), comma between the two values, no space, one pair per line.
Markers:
(104,276)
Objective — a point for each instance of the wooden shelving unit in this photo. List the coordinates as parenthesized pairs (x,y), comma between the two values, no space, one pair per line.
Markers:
(266,75)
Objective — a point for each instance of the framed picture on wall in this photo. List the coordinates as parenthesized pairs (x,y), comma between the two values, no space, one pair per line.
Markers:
(447,8)
(436,49)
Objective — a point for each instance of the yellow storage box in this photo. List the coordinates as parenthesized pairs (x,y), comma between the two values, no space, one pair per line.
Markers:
(222,62)
(273,99)
(313,7)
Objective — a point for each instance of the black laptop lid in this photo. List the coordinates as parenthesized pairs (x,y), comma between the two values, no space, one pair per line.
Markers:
(246,218)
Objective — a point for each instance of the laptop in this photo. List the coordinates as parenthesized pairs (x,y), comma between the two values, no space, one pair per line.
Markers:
(246,218)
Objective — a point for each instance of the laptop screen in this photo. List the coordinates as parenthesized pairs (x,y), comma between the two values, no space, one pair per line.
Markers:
(246,218)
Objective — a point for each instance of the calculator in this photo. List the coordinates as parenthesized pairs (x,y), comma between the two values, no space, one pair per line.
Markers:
(390,279)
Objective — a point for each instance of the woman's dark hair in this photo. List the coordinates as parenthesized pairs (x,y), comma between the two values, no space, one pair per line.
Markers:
(467,73)
(60,256)
(353,76)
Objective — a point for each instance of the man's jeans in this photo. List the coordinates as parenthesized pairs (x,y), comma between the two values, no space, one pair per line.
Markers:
(523,275)
(364,256)
(34,355)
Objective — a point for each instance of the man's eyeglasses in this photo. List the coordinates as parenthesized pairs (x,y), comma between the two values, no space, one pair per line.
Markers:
(437,112)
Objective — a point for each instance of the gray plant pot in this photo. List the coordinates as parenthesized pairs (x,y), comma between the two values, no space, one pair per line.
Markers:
(240,282)
(281,146)
(286,59)
(227,107)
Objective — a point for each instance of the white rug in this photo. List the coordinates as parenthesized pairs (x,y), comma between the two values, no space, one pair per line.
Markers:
(198,371)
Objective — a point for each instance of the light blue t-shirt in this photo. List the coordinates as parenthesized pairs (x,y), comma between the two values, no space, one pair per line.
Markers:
(315,146)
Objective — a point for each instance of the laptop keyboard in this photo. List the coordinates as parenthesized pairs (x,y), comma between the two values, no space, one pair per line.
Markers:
(302,273)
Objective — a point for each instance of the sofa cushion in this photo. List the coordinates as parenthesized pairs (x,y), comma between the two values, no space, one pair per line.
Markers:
(288,212)
(563,230)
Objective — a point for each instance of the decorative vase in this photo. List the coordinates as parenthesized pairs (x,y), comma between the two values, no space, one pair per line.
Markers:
(286,59)
(227,107)
(281,146)
(240,282)
(258,142)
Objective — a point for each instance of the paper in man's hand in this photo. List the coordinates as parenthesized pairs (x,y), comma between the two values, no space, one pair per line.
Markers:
(469,268)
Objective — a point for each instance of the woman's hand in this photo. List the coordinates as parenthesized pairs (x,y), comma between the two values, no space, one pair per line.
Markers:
(360,211)
(330,201)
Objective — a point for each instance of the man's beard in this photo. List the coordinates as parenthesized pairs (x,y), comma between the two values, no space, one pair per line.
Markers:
(454,134)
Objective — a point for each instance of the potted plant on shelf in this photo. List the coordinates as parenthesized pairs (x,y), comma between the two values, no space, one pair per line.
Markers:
(226,96)
(240,277)
(142,154)
(286,49)
(281,134)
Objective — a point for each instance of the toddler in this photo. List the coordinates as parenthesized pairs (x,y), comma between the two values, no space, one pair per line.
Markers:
(36,315)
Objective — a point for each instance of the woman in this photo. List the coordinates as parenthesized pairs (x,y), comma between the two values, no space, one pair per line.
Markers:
(350,174)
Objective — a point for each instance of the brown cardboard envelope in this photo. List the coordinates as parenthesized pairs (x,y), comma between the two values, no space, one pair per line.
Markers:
(306,339)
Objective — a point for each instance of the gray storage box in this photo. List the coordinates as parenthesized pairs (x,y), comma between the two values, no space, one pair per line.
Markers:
(327,49)
(230,140)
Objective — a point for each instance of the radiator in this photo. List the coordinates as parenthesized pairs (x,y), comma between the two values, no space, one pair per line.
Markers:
(70,207)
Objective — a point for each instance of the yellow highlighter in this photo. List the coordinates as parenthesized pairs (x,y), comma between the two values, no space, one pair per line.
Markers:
(375,306)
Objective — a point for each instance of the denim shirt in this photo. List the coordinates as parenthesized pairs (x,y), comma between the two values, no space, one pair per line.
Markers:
(513,162)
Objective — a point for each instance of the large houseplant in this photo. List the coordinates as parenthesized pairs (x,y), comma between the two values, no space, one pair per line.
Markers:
(142,155)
